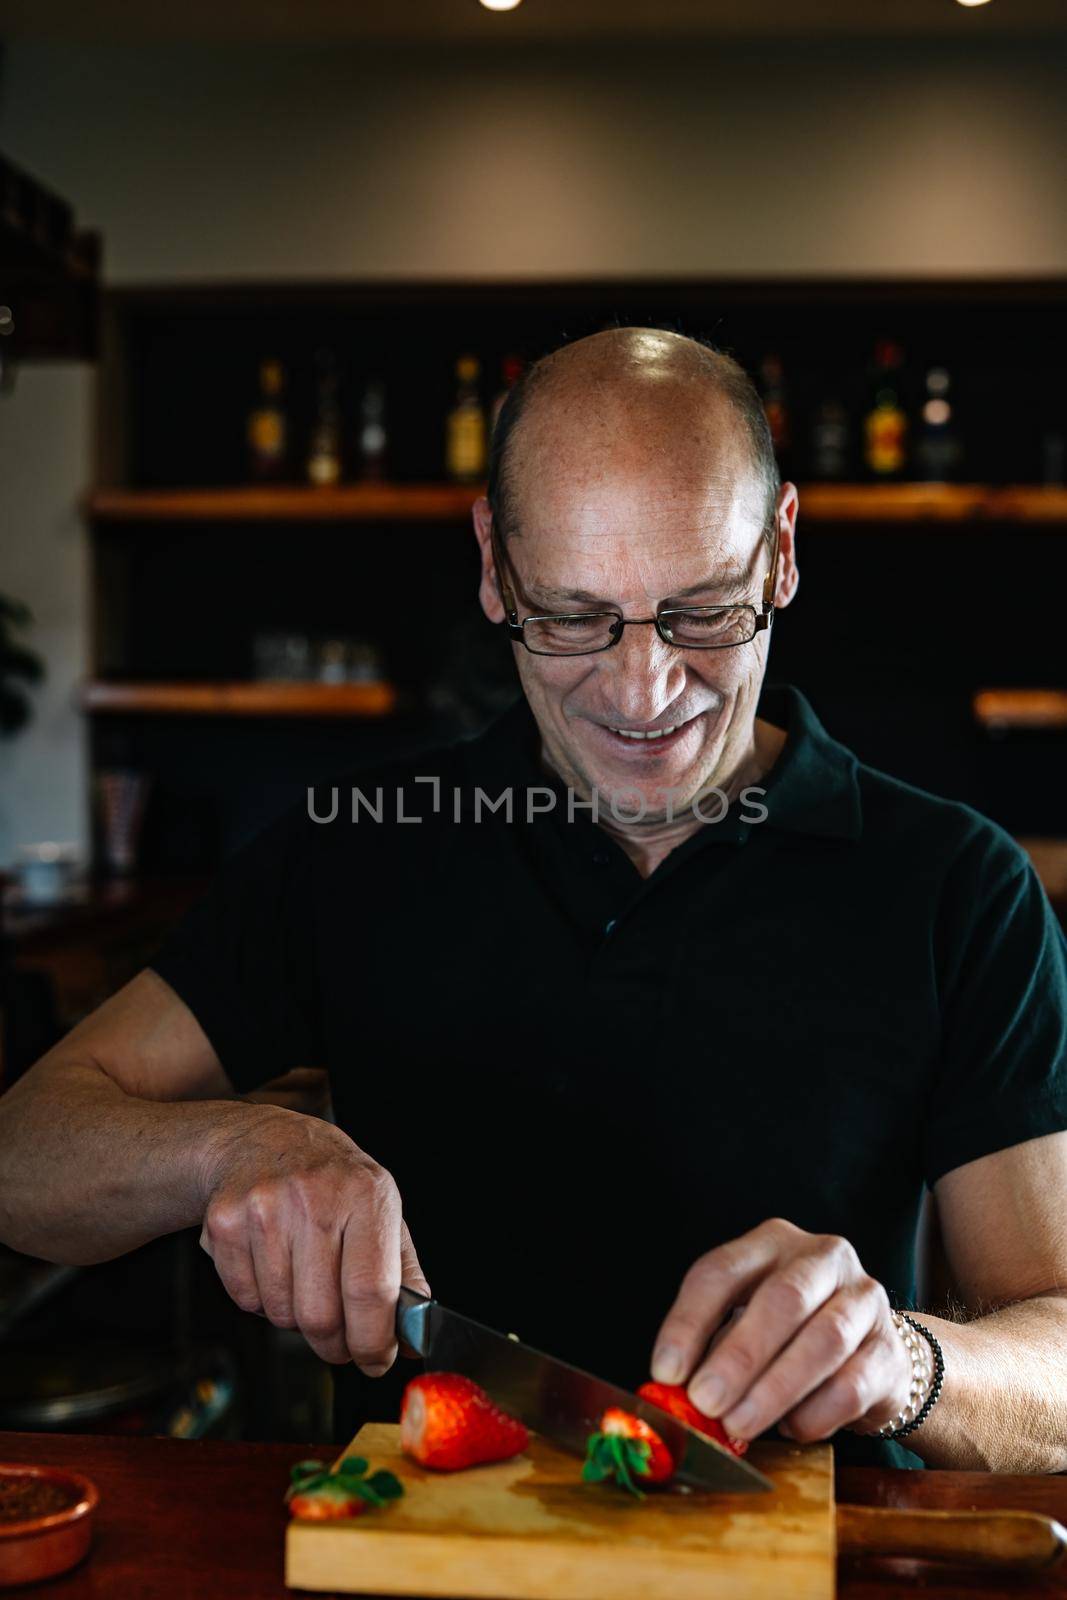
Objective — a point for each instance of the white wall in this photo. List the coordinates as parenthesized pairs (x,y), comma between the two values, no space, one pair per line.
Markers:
(862,157)
(44,461)
(865,156)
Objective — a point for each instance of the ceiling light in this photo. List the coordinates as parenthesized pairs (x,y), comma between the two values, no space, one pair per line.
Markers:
(509,5)
(958,2)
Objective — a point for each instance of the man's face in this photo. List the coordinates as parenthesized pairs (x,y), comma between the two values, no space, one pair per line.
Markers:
(638,518)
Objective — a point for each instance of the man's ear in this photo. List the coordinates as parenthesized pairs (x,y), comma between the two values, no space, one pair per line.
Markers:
(788,574)
(489,595)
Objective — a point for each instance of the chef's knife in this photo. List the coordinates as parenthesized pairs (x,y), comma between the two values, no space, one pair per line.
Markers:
(555,1399)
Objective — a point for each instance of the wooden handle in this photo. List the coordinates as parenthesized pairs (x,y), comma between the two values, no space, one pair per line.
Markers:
(972,1538)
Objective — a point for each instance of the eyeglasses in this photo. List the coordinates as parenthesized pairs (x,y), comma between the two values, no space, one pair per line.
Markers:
(584,633)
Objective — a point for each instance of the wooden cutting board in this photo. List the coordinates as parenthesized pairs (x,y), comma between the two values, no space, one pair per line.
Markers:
(529,1529)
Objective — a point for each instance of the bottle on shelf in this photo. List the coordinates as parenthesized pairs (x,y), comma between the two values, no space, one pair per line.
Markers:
(937,445)
(267,431)
(830,441)
(465,430)
(324,445)
(776,406)
(885,426)
(1054,456)
(373,443)
(510,373)
(332,661)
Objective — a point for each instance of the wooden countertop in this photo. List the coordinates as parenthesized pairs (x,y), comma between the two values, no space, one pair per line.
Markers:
(183,1518)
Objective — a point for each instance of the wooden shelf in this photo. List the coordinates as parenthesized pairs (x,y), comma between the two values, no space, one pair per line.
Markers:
(350,502)
(1001,709)
(923,503)
(845,503)
(240,699)
(1032,503)
(1049,857)
(891,502)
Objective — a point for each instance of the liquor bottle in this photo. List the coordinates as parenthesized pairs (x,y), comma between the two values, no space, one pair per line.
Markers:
(268,431)
(885,427)
(830,441)
(938,448)
(324,446)
(373,437)
(776,407)
(465,433)
(1053,455)
(510,372)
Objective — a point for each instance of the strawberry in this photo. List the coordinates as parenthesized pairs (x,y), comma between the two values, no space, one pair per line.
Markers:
(318,1495)
(672,1397)
(327,1502)
(448,1422)
(659,1463)
(626,1448)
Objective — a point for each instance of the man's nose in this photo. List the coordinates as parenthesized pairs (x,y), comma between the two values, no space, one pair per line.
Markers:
(644,675)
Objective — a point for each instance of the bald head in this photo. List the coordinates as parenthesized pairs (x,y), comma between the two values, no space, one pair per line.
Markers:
(623,396)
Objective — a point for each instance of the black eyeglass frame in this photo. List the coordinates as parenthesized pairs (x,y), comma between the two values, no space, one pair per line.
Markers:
(516,626)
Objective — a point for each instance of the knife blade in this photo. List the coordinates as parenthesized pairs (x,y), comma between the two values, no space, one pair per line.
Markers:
(556,1399)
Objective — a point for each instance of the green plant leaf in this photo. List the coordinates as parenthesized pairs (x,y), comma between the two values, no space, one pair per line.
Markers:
(609,1455)
(624,1461)
(598,1459)
(15,611)
(22,664)
(375,1490)
(386,1484)
(314,1477)
(360,1489)
(314,1484)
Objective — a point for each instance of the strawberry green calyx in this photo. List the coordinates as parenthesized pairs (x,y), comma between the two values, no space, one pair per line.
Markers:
(610,1456)
(349,1478)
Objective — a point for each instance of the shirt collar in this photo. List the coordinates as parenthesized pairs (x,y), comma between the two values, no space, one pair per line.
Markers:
(812,789)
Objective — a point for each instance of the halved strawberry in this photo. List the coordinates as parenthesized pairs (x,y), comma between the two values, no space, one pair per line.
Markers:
(318,1494)
(322,1505)
(447,1422)
(672,1397)
(625,1448)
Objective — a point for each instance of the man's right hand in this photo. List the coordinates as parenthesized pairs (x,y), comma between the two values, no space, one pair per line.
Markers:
(306,1229)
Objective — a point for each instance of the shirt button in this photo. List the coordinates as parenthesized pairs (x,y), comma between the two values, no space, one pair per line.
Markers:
(608,926)
(601,858)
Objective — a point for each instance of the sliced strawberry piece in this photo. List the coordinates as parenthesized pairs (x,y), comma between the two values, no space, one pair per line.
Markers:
(318,1493)
(673,1397)
(626,1449)
(622,1424)
(447,1422)
(326,1503)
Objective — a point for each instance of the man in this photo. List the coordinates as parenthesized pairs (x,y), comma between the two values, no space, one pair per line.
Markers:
(659,1082)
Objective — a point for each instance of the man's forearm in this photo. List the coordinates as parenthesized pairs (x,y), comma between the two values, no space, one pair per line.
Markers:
(1003,1407)
(88,1172)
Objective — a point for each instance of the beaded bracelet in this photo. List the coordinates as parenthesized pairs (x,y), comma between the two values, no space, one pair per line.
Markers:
(927,1375)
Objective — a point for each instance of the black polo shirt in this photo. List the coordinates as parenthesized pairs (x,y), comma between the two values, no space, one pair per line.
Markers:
(583,1079)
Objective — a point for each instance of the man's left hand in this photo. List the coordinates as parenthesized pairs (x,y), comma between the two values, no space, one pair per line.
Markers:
(814,1347)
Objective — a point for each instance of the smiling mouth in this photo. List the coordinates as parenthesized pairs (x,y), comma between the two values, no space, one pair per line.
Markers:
(656,733)
(649,740)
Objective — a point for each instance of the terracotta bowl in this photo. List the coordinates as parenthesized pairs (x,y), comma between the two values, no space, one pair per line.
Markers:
(40,1547)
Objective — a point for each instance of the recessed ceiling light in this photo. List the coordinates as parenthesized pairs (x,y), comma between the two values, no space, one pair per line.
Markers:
(509,5)
(972,2)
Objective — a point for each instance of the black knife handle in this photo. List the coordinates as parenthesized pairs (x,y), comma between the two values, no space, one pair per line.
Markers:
(413,1321)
